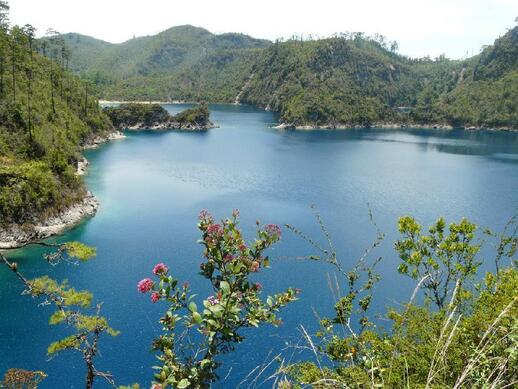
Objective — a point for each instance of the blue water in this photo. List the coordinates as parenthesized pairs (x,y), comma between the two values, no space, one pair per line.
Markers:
(153,185)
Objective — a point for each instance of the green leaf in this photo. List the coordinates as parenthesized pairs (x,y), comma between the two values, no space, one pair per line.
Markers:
(197,317)
(193,307)
(183,383)
(224,286)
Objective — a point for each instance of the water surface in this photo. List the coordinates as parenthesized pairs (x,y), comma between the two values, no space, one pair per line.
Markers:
(153,185)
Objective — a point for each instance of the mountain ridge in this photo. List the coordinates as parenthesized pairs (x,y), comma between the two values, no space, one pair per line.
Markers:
(348,79)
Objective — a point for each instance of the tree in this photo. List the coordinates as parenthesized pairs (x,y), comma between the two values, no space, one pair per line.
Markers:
(394,46)
(17,42)
(4,26)
(30,32)
(72,309)
(442,260)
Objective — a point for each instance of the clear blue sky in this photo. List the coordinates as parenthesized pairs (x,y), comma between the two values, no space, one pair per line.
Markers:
(433,27)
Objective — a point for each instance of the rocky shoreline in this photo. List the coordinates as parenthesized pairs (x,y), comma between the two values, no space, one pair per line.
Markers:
(98,140)
(341,126)
(172,126)
(15,236)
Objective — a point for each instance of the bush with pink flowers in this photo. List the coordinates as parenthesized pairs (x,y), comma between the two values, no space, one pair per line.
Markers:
(235,304)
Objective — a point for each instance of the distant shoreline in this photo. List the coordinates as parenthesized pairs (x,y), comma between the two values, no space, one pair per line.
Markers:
(145,102)
(395,126)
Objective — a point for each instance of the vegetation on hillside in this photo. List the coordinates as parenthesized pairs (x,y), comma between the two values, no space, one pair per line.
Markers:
(130,115)
(45,115)
(349,79)
(181,63)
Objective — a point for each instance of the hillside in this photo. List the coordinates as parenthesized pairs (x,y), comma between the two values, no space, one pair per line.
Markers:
(336,80)
(183,62)
(46,115)
(488,97)
(349,79)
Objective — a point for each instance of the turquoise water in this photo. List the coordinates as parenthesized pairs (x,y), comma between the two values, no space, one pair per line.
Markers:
(153,185)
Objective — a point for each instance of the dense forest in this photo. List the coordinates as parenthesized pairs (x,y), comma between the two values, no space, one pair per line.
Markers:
(46,115)
(349,79)
(184,62)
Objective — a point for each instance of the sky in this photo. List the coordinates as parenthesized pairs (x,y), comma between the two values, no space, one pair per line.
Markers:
(456,28)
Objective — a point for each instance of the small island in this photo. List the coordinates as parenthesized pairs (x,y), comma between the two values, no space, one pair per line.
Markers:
(136,116)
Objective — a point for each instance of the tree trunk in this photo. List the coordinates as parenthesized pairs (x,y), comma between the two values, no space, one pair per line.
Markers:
(13,59)
(52,87)
(86,100)
(2,75)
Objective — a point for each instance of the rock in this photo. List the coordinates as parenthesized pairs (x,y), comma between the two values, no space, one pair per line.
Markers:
(100,139)
(13,236)
(82,166)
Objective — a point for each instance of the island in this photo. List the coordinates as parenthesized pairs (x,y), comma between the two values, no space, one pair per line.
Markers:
(138,116)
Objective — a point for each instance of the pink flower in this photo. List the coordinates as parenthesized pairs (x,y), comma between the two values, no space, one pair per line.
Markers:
(185,285)
(205,217)
(228,258)
(145,285)
(274,231)
(156,386)
(235,213)
(213,300)
(155,297)
(258,286)
(215,230)
(160,268)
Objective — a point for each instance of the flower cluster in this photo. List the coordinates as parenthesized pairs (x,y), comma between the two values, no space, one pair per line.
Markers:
(158,292)
(145,285)
(160,268)
(274,231)
(215,230)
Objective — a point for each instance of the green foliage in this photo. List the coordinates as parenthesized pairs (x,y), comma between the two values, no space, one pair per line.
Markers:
(440,259)
(131,114)
(235,304)
(79,250)
(46,114)
(198,115)
(349,79)
(67,296)
(149,115)
(167,66)
(20,378)
(476,347)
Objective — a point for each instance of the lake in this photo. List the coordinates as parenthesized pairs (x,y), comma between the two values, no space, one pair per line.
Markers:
(152,185)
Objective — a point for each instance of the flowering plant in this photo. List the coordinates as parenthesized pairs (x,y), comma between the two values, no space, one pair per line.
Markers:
(236,303)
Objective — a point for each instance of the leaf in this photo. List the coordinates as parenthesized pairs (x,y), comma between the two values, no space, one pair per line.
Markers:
(193,307)
(197,317)
(183,384)
(224,286)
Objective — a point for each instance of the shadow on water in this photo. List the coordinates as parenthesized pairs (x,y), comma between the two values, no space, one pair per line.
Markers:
(494,144)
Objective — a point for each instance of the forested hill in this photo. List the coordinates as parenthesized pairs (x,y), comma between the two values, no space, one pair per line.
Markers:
(349,79)
(183,62)
(489,94)
(46,114)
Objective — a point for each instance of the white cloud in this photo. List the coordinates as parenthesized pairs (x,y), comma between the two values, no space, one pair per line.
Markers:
(420,26)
